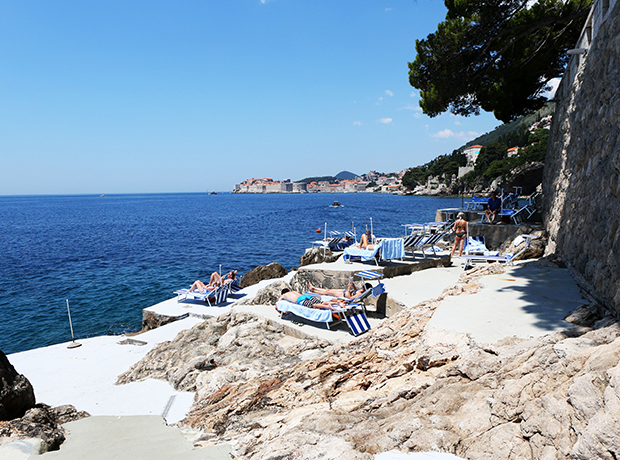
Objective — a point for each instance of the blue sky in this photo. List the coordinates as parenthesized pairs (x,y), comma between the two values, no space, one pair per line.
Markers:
(190,96)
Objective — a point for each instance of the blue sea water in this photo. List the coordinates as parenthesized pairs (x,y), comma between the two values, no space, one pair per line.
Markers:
(113,256)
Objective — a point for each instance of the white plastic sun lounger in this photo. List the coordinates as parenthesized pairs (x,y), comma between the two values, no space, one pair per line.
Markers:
(508,259)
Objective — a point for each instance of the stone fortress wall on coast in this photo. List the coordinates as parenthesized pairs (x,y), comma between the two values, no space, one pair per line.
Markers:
(582,170)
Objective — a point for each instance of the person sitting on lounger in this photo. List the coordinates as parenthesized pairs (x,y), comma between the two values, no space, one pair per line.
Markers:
(348,241)
(365,241)
(494,205)
(310,301)
(460,233)
(349,293)
(215,281)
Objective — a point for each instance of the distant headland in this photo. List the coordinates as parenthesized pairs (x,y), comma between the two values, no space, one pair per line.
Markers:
(343,182)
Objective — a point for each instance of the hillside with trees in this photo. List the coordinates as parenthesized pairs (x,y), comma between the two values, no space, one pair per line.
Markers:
(493,163)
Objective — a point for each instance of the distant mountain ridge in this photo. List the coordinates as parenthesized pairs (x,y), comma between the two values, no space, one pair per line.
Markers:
(345,175)
(342,175)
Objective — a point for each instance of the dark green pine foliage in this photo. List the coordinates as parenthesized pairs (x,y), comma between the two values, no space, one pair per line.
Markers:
(495,55)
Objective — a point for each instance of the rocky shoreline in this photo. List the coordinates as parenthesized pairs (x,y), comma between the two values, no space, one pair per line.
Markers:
(265,389)
(399,387)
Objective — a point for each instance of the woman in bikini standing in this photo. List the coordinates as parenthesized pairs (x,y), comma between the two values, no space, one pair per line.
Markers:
(460,232)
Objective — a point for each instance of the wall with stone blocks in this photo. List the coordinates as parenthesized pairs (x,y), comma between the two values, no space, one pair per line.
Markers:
(582,169)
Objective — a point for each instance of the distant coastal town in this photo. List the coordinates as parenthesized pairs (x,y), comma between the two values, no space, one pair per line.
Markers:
(343,182)
(442,176)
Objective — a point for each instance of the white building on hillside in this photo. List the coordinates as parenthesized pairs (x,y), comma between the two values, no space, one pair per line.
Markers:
(472,154)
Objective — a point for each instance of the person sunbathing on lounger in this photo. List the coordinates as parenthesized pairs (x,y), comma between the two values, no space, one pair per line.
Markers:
(310,301)
(215,281)
(349,292)
(365,241)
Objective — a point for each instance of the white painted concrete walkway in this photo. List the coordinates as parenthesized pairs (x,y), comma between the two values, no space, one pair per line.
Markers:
(526,301)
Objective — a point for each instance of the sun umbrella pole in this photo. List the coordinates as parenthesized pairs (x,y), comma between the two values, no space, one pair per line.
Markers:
(73,344)
(371,232)
(324,242)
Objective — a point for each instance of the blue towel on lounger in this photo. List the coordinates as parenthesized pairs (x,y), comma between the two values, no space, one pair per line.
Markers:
(313,314)
(364,254)
(392,248)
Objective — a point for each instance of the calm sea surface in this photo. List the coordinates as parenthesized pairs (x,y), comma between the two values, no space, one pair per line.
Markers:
(113,256)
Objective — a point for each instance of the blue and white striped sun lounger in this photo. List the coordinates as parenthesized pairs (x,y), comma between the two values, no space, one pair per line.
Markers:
(387,249)
(214,297)
(353,315)
(358,322)
(415,242)
(368,275)
(234,286)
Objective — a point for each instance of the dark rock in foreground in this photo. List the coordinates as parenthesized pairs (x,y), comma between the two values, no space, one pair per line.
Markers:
(42,422)
(16,392)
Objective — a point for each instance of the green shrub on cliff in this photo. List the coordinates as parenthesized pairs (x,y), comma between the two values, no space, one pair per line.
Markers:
(442,166)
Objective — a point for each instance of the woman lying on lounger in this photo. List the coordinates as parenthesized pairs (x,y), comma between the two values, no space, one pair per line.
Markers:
(215,281)
(348,293)
(310,301)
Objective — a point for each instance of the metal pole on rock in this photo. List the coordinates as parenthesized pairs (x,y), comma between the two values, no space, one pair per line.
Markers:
(325,242)
(73,343)
(372,234)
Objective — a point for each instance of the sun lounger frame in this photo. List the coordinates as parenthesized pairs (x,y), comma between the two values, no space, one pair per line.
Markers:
(219,294)
(508,259)
(353,315)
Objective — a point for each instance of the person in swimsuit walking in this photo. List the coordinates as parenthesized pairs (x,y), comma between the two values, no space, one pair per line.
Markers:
(460,233)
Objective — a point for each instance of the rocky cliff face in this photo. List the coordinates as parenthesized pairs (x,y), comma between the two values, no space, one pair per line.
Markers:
(399,387)
(582,169)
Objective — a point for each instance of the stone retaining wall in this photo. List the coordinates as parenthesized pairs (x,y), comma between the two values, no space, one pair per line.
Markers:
(582,169)
(494,235)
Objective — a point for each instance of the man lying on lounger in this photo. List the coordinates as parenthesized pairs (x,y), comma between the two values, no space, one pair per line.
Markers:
(215,281)
(349,293)
(310,301)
